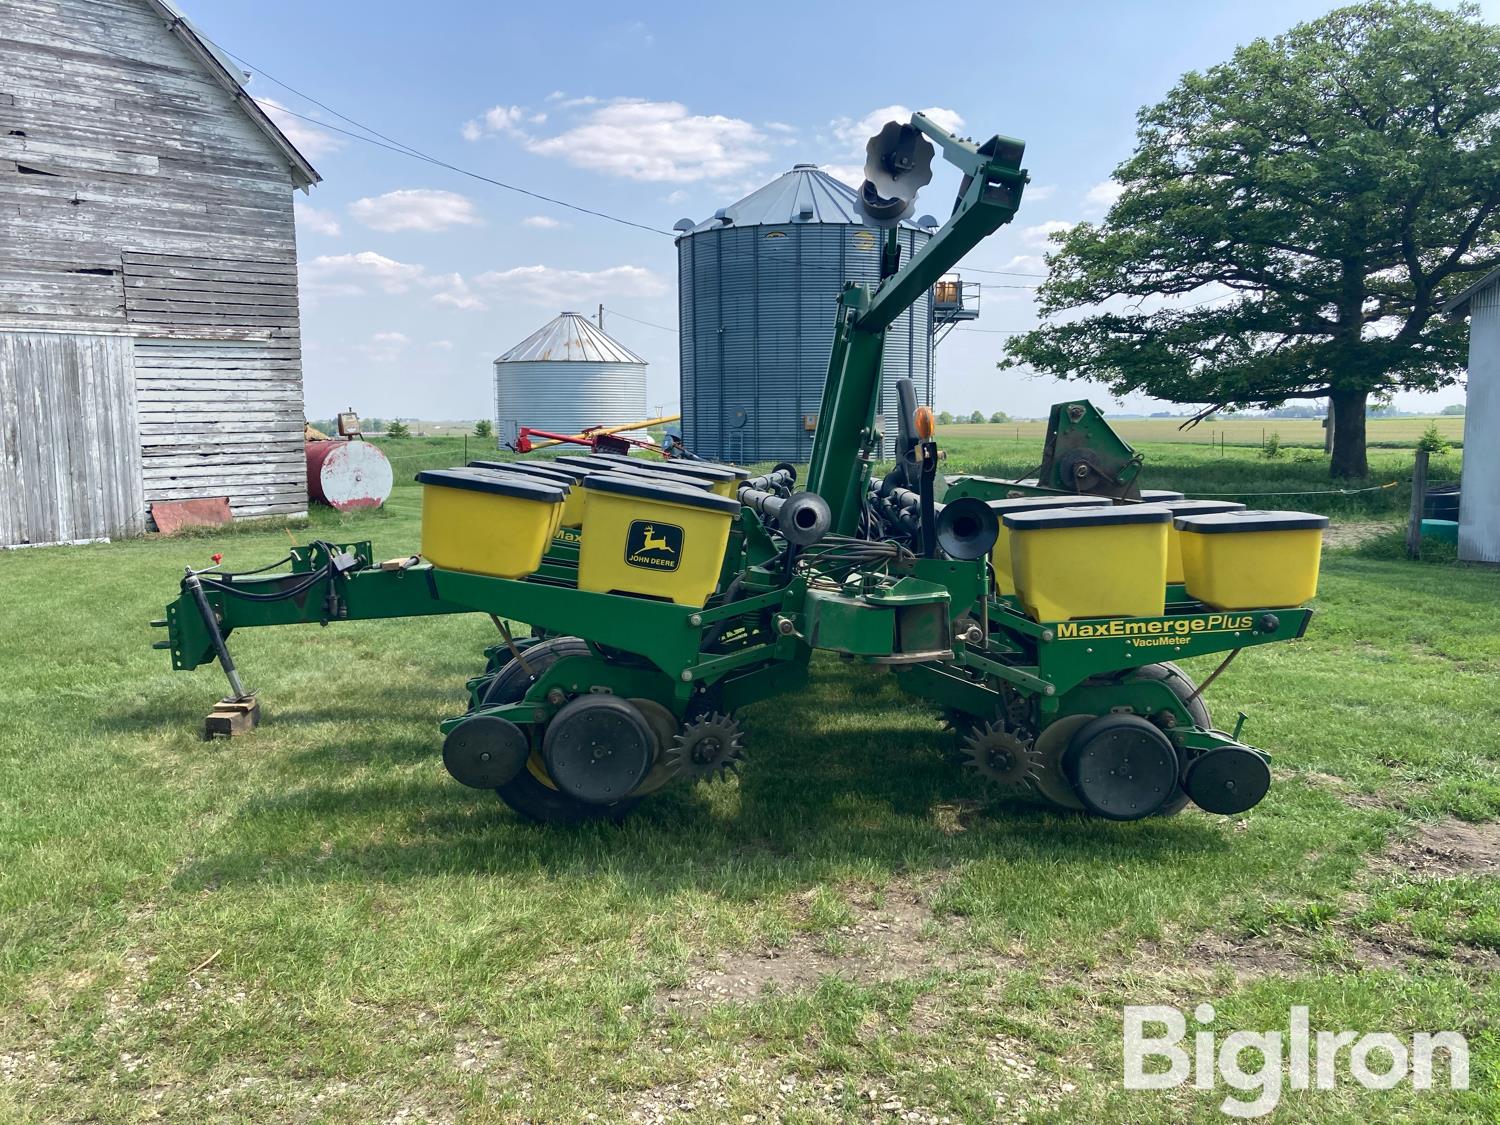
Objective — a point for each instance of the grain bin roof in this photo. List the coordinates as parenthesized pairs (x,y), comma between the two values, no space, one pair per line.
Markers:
(806,194)
(571,338)
(225,71)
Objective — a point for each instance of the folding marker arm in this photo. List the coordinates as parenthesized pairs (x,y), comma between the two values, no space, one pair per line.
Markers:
(988,199)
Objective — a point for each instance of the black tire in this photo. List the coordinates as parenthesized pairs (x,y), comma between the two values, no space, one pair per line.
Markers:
(1182,686)
(530,797)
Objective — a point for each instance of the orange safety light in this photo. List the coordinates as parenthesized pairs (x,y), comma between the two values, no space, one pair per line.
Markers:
(926,425)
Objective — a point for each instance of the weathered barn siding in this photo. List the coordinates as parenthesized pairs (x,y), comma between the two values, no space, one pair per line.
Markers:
(140,197)
(69,448)
(193,446)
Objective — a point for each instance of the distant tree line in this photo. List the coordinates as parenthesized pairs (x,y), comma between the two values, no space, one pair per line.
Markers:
(975,417)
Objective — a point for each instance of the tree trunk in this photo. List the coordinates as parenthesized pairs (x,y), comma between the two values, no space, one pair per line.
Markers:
(1348,408)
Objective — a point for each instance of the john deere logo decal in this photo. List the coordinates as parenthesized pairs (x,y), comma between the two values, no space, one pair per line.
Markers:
(653,546)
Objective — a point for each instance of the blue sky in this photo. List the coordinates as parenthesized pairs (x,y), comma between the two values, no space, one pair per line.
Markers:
(415,277)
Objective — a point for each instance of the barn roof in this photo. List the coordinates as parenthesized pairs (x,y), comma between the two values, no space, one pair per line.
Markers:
(228,75)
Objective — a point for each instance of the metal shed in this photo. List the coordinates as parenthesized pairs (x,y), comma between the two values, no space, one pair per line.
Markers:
(567,376)
(1479,509)
(149,331)
(757,286)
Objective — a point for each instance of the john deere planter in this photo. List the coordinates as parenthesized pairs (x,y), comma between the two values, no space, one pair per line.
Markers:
(1041,616)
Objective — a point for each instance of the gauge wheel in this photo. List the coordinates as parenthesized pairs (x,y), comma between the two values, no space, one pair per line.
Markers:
(532,792)
(1182,686)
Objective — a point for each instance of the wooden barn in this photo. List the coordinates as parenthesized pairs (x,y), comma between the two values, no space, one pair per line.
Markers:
(149,335)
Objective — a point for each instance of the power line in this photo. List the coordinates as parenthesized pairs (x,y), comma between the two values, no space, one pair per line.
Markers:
(637,320)
(385,142)
(416,155)
(1000,273)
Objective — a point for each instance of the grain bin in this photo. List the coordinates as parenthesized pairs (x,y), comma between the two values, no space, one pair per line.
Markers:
(757,286)
(565,377)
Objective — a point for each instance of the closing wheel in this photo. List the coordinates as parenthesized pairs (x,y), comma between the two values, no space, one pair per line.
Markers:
(1228,780)
(1121,767)
(485,751)
(532,792)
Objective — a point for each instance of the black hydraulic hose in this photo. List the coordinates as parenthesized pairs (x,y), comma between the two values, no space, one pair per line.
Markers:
(326,571)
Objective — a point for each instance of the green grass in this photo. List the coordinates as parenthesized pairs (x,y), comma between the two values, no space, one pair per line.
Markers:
(316,924)
(1395,433)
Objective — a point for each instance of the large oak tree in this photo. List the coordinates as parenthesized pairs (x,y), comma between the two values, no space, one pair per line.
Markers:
(1341,180)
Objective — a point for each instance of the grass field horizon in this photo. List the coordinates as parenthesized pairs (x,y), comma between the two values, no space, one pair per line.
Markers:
(1400,432)
(316,924)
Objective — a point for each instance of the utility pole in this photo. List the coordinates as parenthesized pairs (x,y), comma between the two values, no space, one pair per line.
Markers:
(601,318)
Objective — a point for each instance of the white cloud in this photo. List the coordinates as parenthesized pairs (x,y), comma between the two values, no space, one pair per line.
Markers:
(1026,263)
(350,275)
(355,275)
(851,174)
(541,222)
(502,120)
(460,299)
(657,142)
(779,127)
(1036,193)
(385,347)
(441,345)
(419,209)
(560,288)
(1041,234)
(306,137)
(856,134)
(676,195)
(1102,196)
(311,219)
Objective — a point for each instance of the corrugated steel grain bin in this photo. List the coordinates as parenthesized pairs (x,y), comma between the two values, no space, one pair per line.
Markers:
(757,286)
(565,377)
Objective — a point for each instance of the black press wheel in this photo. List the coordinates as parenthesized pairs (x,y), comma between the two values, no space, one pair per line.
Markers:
(532,792)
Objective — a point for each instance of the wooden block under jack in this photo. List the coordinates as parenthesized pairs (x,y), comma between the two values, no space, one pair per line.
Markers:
(231,717)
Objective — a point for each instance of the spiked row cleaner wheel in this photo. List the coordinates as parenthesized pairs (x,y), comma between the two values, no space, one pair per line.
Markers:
(708,748)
